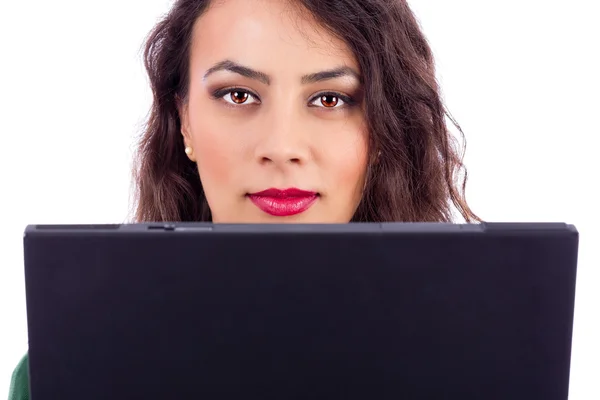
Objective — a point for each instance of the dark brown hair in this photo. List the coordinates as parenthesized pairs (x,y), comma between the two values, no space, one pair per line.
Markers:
(418,175)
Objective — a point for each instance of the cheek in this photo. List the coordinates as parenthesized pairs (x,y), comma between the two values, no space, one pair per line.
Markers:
(217,153)
(212,158)
(348,160)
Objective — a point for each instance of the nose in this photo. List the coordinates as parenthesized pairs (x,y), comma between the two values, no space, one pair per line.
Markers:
(283,141)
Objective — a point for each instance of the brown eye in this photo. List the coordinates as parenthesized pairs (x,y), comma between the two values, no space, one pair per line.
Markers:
(329,101)
(239,97)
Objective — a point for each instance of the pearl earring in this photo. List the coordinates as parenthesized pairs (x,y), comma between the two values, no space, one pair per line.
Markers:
(188,151)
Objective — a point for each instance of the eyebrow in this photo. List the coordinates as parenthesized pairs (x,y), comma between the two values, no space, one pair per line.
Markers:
(330,74)
(234,67)
(250,73)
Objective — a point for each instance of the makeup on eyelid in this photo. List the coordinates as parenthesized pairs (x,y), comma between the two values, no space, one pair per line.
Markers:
(240,96)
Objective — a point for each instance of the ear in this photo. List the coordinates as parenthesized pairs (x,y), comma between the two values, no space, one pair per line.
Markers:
(182,109)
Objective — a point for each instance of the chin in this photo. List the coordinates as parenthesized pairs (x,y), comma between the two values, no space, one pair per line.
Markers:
(292,219)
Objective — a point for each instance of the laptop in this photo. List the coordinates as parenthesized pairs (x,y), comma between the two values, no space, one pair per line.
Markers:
(355,311)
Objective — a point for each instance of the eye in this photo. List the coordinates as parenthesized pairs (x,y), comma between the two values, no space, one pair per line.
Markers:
(330,100)
(239,97)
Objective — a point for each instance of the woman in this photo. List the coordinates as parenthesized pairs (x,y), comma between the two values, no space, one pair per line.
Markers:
(293,111)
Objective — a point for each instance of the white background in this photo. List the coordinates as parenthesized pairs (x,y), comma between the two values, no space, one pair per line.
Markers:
(521,77)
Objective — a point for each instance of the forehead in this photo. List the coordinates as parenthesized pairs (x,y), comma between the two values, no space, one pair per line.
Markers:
(275,36)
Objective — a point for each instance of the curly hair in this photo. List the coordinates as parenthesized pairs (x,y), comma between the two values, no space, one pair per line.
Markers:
(418,176)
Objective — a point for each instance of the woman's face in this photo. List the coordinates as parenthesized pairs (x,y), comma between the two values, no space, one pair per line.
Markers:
(273,116)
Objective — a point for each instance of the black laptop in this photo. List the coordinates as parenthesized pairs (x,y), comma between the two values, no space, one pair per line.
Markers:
(356,311)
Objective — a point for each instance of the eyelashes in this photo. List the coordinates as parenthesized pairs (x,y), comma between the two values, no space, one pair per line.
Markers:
(242,97)
(236,96)
(331,100)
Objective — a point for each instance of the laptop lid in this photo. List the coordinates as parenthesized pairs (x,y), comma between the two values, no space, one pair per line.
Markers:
(357,311)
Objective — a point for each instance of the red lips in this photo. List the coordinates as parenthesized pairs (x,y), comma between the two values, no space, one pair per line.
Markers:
(283,203)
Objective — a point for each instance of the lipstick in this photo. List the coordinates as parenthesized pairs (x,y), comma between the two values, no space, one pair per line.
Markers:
(283,202)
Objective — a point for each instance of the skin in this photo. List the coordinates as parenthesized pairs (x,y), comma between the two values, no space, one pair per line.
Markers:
(273,130)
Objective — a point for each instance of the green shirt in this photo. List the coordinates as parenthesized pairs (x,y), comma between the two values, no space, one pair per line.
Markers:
(19,384)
